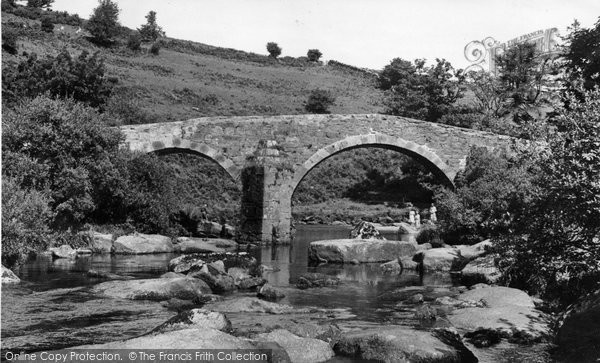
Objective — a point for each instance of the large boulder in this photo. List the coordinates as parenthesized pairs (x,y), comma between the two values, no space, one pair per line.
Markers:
(298,348)
(209,229)
(195,318)
(250,304)
(361,250)
(143,244)
(185,288)
(64,251)
(9,277)
(197,339)
(475,251)
(480,270)
(185,263)
(217,282)
(579,328)
(316,279)
(196,245)
(100,242)
(270,293)
(509,311)
(400,344)
(365,230)
(440,259)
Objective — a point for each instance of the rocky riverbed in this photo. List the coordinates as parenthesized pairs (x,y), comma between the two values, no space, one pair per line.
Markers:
(272,298)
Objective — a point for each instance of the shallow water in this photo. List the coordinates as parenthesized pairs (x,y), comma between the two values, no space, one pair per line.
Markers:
(54,308)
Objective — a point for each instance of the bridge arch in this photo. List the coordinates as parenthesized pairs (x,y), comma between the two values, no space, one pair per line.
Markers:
(192,147)
(420,152)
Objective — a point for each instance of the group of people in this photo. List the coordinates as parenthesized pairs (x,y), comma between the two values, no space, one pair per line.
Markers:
(414,218)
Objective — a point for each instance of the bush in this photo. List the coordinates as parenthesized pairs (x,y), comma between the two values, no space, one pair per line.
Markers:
(47,25)
(41,4)
(319,101)
(429,234)
(492,190)
(314,55)
(9,42)
(155,48)
(68,151)
(25,221)
(134,42)
(103,25)
(63,76)
(273,49)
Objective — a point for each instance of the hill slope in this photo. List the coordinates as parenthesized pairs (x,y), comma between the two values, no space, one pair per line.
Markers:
(188,80)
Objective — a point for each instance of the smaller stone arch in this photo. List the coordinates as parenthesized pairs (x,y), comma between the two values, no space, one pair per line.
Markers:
(420,152)
(178,145)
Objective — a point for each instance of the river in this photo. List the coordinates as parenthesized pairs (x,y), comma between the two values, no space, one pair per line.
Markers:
(53,306)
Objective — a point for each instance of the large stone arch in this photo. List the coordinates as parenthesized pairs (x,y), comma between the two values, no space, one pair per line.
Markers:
(419,152)
(186,146)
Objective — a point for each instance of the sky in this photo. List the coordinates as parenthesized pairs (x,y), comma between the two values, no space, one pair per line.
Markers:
(363,33)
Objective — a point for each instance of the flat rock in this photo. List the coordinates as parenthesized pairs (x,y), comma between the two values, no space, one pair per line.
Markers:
(185,263)
(362,250)
(397,344)
(64,251)
(507,310)
(184,288)
(143,244)
(299,349)
(196,245)
(316,279)
(480,270)
(101,243)
(477,250)
(270,293)
(9,277)
(195,318)
(179,339)
(439,259)
(217,282)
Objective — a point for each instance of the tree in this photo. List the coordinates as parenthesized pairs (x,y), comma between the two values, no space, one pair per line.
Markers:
(319,101)
(582,56)
(81,78)
(273,49)
(42,4)
(104,22)
(134,42)
(66,149)
(47,25)
(414,90)
(314,55)
(554,249)
(151,31)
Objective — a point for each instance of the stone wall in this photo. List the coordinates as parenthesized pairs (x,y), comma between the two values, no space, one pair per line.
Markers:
(269,155)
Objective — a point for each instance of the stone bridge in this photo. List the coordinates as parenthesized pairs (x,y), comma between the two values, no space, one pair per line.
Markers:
(268,156)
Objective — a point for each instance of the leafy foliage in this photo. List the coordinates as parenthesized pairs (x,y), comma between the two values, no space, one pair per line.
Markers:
(103,25)
(134,41)
(47,25)
(69,151)
(414,90)
(63,76)
(42,4)
(273,49)
(155,48)
(9,42)
(492,190)
(25,221)
(582,57)
(554,250)
(314,55)
(319,101)
(151,31)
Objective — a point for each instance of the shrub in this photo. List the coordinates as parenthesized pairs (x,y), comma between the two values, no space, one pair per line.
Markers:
(41,4)
(69,151)
(134,42)
(155,48)
(47,25)
(9,42)
(429,234)
(25,221)
(103,25)
(151,31)
(314,55)
(273,49)
(81,78)
(319,101)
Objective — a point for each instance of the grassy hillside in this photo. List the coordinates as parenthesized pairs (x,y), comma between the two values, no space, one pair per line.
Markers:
(188,80)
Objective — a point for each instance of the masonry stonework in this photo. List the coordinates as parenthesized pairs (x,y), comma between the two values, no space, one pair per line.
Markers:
(268,156)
